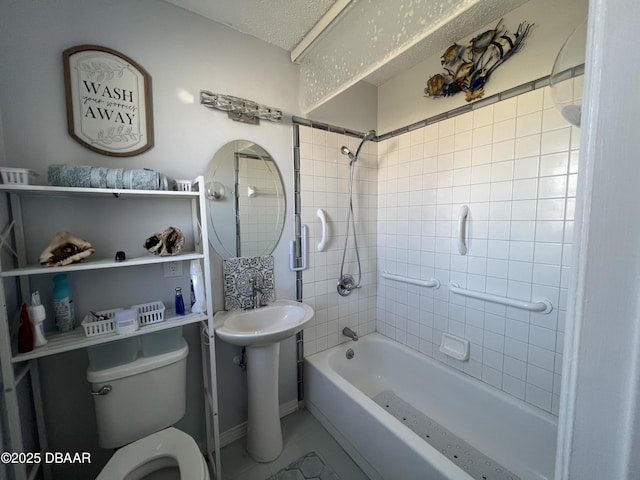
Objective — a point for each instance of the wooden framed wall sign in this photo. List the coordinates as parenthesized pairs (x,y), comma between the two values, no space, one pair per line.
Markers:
(108,101)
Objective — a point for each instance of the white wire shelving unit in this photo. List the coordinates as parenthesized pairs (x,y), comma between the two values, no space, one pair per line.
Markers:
(16,367)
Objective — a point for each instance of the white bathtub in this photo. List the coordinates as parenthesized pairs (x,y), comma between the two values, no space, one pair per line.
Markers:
(339,393)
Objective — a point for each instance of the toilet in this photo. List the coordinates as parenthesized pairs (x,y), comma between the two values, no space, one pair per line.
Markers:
(136,405)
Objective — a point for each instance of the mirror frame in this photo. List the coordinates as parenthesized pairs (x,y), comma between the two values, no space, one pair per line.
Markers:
(222,182)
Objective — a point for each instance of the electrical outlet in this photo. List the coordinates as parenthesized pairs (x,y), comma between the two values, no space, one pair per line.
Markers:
(173,269)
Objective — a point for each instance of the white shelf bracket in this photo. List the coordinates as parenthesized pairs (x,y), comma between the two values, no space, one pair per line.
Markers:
(5,241)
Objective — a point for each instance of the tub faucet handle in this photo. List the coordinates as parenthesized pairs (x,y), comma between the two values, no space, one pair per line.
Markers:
(346,331)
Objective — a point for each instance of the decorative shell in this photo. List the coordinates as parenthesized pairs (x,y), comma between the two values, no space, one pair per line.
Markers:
(64,249)
(169,242)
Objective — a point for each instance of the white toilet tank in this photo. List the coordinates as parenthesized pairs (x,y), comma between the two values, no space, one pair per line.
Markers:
(146,396)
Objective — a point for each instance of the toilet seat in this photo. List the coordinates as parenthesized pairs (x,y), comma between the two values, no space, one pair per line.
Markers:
(168,443)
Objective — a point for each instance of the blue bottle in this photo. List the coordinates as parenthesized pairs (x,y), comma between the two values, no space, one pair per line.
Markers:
(179,302)
(63,303)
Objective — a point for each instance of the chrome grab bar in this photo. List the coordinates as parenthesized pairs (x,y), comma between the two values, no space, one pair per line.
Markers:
(433,283)
(541,305)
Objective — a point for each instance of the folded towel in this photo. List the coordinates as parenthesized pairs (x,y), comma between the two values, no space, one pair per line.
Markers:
(114,178)
(69,175)
(142,179)
(101,177)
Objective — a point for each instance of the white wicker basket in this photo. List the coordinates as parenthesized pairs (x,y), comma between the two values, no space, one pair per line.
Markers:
(183,185)
(149,313)
(93,327)
(16,176)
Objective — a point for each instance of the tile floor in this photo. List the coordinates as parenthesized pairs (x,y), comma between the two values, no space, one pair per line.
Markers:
(302,434)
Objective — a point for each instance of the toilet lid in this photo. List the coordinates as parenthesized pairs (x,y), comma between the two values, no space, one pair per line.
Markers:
(169,442)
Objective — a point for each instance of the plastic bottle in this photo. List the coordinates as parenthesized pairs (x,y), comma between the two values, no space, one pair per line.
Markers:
(63,303)
(37,315)
(197,286)
(25,334)
(179,302)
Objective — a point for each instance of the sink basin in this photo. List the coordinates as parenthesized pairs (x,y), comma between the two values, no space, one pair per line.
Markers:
(260,330)
(261,326)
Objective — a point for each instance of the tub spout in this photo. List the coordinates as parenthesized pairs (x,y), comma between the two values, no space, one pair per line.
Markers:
(350,333)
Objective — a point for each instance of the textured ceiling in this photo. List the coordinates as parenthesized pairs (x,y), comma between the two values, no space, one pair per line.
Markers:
(280,22)
(377,40)
(467,19)
(374,41)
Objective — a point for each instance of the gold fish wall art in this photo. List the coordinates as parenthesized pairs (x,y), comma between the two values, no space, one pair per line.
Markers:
(452,55)
(467,69)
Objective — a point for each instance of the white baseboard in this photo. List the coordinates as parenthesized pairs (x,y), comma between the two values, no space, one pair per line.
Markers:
(239,431)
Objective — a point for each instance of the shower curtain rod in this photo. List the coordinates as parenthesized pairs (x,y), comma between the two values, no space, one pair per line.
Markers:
(319,29)
(505,94)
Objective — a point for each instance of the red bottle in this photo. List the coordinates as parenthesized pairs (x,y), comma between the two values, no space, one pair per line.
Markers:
(25,334)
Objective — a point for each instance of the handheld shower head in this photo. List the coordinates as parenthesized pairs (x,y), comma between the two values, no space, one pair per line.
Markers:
(347,152)
(367,136)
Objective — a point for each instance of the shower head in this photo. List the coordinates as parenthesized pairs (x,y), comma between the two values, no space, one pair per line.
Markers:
(367,136)
(347,152)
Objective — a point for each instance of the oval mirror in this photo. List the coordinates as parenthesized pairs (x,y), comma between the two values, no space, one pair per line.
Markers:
(245,200)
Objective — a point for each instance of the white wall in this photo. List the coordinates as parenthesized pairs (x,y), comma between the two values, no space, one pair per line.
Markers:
(183,53)
(355,109)
(514,164)
(401,100)
(324,180)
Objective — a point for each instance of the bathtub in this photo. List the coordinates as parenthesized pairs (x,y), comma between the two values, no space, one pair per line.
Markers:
(339,392)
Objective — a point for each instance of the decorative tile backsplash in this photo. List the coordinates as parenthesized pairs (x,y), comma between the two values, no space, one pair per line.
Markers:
(240,274)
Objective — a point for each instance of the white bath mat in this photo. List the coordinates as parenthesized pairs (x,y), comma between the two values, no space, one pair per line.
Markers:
(475,463)
(308,467)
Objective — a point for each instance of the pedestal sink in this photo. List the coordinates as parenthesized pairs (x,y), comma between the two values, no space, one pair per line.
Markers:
(261,330)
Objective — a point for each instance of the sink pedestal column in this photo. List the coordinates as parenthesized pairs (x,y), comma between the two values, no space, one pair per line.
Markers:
(264,434)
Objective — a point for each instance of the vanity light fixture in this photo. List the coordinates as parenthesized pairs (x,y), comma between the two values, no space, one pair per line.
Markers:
(239,109)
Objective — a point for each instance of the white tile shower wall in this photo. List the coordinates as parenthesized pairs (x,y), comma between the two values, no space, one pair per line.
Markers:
(514,163)
(324,183)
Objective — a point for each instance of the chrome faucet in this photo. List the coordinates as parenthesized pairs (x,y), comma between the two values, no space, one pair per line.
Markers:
(256,293)
(350,333)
